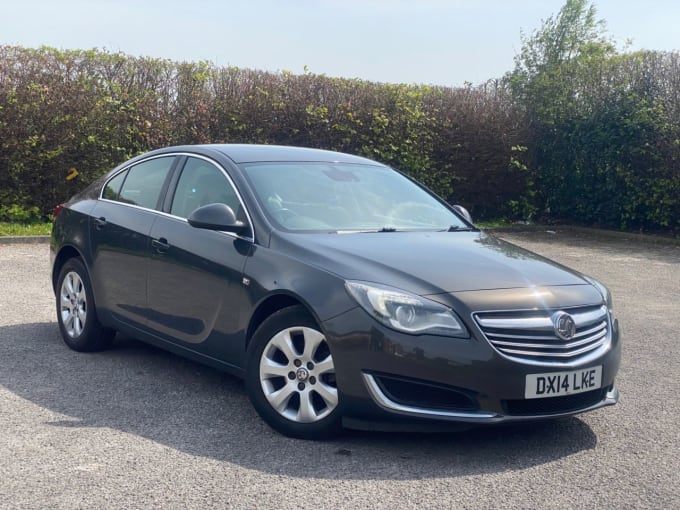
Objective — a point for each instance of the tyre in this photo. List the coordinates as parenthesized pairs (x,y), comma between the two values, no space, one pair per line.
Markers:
(76,312)
(290,376)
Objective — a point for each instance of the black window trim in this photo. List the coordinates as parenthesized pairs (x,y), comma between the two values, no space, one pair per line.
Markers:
(169,192)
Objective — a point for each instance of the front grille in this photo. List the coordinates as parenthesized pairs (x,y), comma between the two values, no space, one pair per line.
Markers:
(422,394)
(554,405)
(530,335)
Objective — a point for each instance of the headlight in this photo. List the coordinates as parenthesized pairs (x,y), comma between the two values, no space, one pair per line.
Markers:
(606,295)
(406,312)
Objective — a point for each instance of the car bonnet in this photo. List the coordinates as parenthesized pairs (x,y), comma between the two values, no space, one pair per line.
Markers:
(426,262)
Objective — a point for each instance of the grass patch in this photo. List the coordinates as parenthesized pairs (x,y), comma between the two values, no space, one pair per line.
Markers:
(494,223)
(25,229)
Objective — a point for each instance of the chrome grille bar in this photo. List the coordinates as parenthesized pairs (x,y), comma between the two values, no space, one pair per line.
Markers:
(552,346)
(530,336)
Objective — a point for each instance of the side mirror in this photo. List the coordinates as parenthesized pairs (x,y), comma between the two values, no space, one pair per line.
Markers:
(217,217)
(463,212)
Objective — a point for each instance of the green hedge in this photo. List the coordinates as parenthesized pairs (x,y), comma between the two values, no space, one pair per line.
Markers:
(90,110)
(591,141)
(606,142)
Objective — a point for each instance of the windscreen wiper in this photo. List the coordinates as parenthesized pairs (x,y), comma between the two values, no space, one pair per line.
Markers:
(458,228)
(371,231)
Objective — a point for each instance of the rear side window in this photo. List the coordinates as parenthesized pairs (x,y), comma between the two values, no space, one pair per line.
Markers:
(144,182)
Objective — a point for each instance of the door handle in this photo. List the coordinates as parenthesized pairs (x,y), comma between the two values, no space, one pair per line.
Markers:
(161,244)
(99,223)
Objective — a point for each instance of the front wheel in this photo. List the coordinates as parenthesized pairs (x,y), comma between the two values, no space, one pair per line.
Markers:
(77,316)
(290,376)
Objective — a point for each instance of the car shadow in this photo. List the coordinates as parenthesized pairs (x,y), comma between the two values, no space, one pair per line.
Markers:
(139,389)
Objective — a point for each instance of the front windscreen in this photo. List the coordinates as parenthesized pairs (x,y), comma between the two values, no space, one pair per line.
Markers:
(339,197)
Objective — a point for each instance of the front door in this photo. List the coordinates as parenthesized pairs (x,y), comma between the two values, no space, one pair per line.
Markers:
(195,275)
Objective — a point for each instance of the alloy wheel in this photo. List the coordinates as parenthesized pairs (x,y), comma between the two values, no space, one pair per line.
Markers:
(297,375)
(73,304)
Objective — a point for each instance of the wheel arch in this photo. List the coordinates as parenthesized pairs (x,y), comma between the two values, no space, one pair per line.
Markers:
(66,253)
(272,304)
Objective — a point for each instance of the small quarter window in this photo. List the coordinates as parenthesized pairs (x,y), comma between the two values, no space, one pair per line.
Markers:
(112,187)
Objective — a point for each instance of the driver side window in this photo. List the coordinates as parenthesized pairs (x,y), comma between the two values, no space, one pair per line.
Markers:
(202,183)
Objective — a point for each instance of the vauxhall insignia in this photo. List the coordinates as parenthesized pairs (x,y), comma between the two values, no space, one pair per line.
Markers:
(324,341)
(565,327)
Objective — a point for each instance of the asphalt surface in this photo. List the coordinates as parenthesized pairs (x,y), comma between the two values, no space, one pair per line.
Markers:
(135,427)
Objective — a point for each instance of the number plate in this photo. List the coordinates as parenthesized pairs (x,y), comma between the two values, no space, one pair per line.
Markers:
(559,384)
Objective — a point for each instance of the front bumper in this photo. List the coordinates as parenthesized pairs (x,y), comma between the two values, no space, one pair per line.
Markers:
(389,377)
(380,397)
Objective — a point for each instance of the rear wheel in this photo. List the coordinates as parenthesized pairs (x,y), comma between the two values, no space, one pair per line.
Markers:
(76,313)
(291,376)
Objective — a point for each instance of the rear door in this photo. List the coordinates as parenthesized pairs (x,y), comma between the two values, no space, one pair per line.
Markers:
(120,225)
(195,275)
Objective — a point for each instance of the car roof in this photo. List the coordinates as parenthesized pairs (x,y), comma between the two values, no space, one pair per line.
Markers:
(247,153)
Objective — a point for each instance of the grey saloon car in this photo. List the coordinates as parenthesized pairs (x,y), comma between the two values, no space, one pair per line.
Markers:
(342,291)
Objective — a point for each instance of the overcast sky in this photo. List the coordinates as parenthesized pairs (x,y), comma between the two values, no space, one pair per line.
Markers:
(442,42)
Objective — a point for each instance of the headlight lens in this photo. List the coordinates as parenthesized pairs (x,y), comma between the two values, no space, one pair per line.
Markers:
(406,312)
(606,295)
